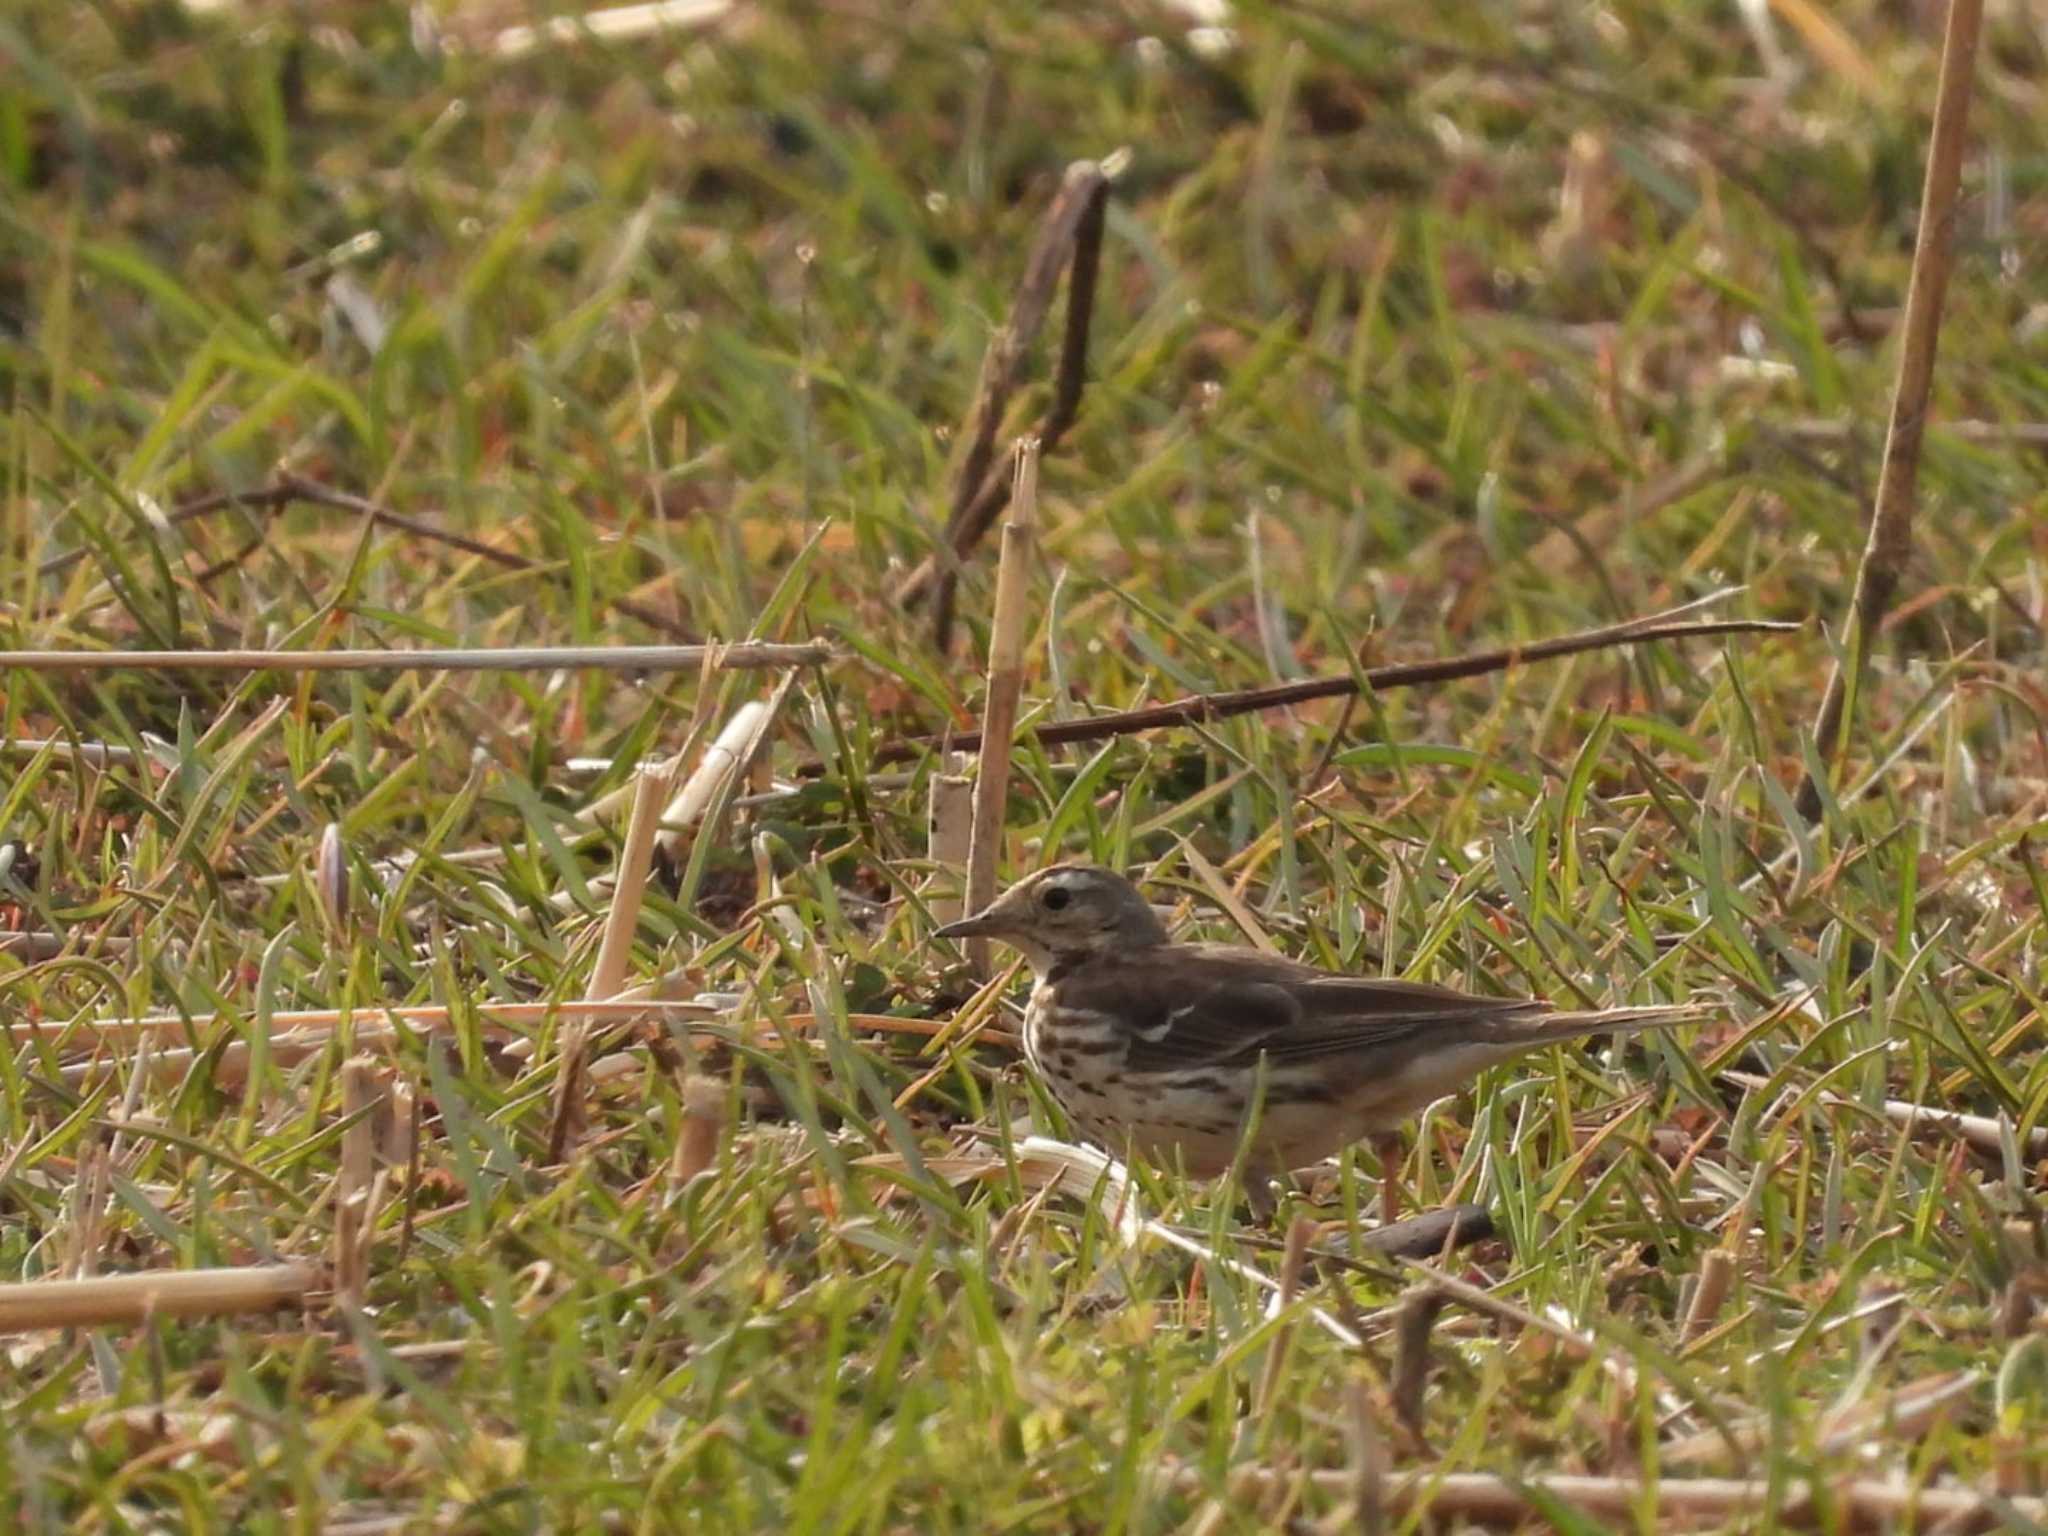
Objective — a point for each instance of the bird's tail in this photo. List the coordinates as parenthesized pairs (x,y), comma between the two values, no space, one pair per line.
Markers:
(1620,1021)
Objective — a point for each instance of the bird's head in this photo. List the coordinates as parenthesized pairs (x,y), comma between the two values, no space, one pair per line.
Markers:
(1070,911)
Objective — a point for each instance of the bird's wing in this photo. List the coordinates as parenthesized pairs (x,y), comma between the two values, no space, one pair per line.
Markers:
(1223,1010)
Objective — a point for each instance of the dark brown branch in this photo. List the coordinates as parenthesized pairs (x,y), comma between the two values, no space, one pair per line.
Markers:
(1073,225)
(1203,707)
(289,489)
(1891,521)
(1427,1235)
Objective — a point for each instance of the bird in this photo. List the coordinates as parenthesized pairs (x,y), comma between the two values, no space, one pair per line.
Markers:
(1158,1048)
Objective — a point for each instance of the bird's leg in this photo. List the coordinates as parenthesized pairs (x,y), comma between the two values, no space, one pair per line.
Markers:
(1386,1146)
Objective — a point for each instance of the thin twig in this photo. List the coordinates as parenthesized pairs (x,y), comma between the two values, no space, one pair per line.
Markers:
(94,752)
(1891,522)
(1204,707)
(2018,434)
(739,655)
(288,490)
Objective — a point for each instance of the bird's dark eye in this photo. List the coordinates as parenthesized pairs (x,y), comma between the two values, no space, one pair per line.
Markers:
(1056,897)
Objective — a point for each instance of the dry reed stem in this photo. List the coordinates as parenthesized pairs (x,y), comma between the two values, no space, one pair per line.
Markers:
(1005,685)
(131,1299)
(1890,543)
(740,655)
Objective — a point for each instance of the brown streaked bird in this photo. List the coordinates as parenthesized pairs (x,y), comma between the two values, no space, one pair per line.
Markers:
(1154,1047)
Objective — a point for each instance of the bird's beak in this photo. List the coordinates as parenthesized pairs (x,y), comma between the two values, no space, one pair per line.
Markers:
(982,925)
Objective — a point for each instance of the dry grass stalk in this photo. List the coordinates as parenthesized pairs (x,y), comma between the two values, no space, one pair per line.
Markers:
(1717,1272)
(636,857)
(702,1128)
(1005,685)
(1247,922)
(491,1017)
(36,944)
(131,1299)
(351,1251)
(1485,1499)
(2018,434)
(63,751)
(948,840)
(736,747)
(360,1095)
(352,1210)
(740,655)
(613,24)
(330,879)
(1986,1133)
(1890,543)
(88,1206)
(230,1063)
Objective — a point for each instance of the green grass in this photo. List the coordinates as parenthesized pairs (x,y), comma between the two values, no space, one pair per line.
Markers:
(692,324)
